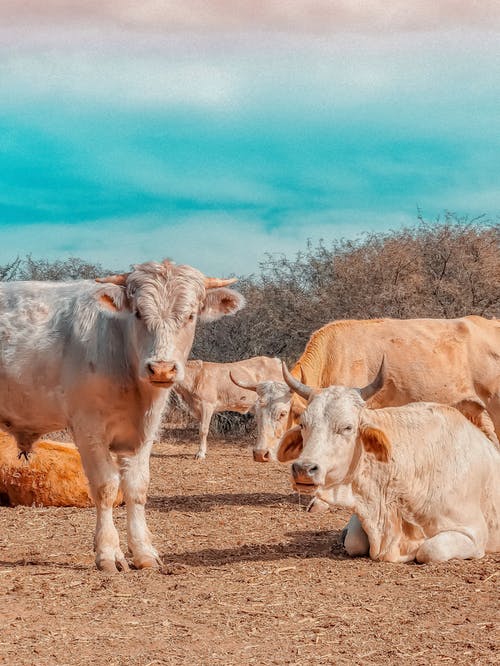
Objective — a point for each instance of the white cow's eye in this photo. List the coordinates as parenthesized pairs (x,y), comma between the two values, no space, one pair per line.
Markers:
(192,316)
(138,314)
(348,429)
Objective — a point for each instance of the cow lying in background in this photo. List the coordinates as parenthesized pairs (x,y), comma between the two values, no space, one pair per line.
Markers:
(207,389)
(53,476)
(99,357)
(436,360)
(424,479)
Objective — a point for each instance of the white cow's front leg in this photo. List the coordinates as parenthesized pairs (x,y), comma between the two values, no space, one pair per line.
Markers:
(135,482)
(104,478)
(206,416)
(446,546)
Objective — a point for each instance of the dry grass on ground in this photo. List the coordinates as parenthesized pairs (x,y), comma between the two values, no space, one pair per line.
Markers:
(249,578)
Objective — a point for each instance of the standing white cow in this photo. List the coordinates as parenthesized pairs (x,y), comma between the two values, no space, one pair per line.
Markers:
(424,479)
(207,389)
(97,357)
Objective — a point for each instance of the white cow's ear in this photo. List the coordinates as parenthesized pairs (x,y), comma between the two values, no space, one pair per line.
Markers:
(221,302)
(112,298)
(291,445)
(375,441)
(474,409)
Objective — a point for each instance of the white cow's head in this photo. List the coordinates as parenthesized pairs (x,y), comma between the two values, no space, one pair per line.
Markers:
(272,410)
(162,302)
(334,430)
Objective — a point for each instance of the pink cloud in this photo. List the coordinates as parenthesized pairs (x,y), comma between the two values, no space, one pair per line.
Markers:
(316,16)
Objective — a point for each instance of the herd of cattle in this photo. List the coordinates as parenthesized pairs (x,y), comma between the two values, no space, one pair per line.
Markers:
(398,420)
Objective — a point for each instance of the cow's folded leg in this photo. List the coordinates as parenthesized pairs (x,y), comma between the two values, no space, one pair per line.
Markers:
(135,482)
(448,545)
(355,540)
(317,505)
(104,478)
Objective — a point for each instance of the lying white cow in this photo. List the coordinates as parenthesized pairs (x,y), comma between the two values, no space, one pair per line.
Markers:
(207,389)
(97,357)
(424,479)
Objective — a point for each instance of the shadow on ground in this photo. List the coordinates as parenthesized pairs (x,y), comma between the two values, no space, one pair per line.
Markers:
(209,502)
(303,545)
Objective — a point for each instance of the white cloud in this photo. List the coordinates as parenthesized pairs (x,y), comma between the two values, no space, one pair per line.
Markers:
(145,81)
(284,76)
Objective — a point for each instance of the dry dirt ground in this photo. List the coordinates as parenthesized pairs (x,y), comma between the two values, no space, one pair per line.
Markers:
(249,578)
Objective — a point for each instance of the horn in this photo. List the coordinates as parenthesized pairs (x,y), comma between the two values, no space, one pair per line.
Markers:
(215,283)
(302,389)
(243,385)
(119,279)
(368,391)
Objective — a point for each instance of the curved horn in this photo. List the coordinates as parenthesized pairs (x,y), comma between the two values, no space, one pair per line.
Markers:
(119,279)
(301,389)
(215,283)
(243,385)
(368,391)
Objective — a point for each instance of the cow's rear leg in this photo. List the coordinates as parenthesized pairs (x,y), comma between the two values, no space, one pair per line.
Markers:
(134,471)
(206,417)
(104,479)
(446,546)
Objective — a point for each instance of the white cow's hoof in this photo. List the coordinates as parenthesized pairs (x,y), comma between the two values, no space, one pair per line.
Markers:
(112,561)
(200,456)
(147,562)
(108,565)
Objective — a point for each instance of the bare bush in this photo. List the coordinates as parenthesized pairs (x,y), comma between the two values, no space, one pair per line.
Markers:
(72,268)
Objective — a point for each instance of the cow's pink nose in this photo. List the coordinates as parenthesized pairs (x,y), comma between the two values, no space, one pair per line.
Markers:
(162,371)
(261,455)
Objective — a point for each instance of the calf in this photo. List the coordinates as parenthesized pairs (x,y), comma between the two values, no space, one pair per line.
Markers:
(424,479)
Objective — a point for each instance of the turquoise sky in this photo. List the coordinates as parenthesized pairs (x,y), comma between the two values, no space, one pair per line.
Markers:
(213,147)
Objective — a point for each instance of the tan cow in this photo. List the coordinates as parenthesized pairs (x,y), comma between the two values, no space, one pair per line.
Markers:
(53,476)
(207,389)
(437,360)
(424,479)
